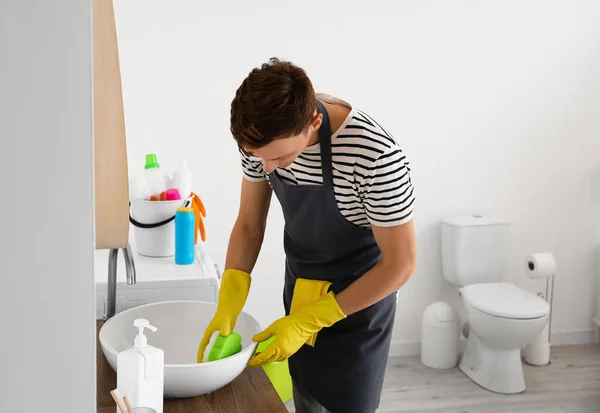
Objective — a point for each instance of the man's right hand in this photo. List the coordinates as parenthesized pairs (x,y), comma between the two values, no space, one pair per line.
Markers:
(235,286)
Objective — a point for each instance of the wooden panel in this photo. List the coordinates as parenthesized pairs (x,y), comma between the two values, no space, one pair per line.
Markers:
(110,151)
(251,392)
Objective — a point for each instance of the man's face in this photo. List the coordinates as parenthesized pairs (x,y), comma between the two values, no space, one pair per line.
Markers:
(281,153)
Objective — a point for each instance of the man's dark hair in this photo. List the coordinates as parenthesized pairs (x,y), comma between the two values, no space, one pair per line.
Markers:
(275,101)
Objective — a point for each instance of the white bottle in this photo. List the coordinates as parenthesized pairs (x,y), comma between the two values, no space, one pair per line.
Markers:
(156,179)
(182,180)
(138,189)
(140,371)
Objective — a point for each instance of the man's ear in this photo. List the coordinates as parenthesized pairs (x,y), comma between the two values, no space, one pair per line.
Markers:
(317,120)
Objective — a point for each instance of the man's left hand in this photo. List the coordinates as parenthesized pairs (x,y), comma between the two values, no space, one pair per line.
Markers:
(292,331)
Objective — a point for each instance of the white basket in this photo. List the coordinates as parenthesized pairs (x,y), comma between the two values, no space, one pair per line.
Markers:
(154,226)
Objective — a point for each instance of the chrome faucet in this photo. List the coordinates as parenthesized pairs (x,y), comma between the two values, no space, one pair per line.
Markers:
(112,277)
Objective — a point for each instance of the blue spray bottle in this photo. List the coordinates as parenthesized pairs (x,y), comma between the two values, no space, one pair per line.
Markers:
(185,225)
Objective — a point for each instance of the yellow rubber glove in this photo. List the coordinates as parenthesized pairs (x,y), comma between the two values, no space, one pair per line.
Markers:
(235,286)
(294,330)
(306,292)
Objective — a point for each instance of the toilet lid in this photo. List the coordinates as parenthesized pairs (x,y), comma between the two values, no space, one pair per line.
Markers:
(505,300)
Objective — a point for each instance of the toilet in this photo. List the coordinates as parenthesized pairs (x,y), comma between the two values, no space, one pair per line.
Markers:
(502,317)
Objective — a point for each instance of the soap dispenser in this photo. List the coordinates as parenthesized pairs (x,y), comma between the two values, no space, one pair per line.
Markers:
(140,371)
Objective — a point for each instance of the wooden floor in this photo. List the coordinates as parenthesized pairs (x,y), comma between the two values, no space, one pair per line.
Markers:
(571,383)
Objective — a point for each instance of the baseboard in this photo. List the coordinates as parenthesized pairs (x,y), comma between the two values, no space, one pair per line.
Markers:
(566,337)
(559,338)
(405,348)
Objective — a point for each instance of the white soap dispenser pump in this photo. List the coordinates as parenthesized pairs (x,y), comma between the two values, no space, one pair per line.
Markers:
(140,371)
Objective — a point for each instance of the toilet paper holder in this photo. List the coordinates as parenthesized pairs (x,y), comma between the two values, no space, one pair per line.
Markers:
(541,265)
(549,295)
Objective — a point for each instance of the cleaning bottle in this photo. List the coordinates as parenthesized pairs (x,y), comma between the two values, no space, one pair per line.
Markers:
(156,179)
(185,227)
(182,180)
(140,371)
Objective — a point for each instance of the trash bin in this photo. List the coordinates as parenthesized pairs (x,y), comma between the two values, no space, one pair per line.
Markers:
(439,336)
(278,373)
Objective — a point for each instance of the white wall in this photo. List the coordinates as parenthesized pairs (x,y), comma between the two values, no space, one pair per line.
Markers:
(496,103)
(47,333)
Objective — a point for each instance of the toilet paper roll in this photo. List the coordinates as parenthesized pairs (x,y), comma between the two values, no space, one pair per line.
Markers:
(542,265)
(538,352)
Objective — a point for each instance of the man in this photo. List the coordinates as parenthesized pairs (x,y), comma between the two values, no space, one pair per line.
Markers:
(346,193)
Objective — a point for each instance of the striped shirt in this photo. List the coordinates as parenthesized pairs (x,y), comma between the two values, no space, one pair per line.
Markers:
(371,174)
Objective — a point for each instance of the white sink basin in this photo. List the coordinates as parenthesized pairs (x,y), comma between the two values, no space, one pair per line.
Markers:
(181,325)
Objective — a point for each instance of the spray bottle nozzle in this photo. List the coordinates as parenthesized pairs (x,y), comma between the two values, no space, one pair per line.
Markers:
(141,324)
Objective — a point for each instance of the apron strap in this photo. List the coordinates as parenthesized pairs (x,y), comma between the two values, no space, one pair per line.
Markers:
(325,140)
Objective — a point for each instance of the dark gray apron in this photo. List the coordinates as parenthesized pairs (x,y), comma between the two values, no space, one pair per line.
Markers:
(344,370)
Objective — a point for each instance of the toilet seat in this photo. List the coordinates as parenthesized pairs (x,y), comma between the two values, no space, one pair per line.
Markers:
(505,300)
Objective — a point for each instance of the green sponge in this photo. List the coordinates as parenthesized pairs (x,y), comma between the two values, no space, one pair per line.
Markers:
(225,346)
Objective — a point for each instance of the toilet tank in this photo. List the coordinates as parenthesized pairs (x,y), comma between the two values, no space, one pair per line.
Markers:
(474,249)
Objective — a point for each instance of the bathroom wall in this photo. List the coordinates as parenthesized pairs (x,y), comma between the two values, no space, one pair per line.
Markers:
(496,103)
(47,344)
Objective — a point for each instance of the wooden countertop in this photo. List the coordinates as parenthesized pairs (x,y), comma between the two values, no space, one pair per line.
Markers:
(251,392)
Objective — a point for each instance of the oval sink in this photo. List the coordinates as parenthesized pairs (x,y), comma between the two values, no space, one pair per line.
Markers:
(180,327)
